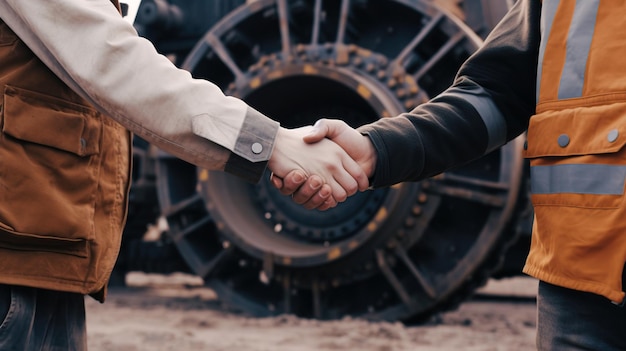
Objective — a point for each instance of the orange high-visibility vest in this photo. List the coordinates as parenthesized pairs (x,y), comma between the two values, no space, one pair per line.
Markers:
(576,148)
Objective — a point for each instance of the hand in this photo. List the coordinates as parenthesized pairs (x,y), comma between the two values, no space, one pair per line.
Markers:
(324,159)
(358,146)
(312,195)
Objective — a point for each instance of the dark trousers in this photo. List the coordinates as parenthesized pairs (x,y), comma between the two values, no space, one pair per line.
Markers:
(575,320)
(41,320)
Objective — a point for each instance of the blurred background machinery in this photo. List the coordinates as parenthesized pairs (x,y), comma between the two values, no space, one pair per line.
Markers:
(399,253)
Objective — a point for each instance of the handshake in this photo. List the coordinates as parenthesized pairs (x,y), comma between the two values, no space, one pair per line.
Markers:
(322,165)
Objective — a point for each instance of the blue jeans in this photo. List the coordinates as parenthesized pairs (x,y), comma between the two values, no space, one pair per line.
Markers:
(574,320)
(41,320)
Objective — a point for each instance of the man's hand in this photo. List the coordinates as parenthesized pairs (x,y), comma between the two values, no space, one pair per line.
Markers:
(324,159)
(358,146)
(312,195)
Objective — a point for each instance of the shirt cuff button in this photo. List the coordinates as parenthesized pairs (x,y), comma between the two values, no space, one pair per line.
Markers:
(257,148)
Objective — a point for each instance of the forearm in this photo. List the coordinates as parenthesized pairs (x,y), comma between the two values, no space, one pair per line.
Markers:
(416,145)
(489,104)
(96,53)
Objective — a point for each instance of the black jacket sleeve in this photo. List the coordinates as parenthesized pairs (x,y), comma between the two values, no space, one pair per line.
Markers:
(449,130)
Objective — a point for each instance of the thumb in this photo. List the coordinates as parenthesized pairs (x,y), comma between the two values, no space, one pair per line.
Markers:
(323,128)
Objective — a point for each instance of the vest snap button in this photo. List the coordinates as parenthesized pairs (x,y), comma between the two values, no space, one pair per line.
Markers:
(563,140)
(613,134)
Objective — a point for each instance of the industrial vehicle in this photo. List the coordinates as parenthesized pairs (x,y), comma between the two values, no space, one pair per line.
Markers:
(399,253)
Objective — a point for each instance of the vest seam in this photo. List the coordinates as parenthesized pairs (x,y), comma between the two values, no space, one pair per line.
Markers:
(587,101)
(574,283)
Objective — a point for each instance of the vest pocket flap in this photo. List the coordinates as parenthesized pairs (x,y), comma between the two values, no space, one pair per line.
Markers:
(577,131)
(46,120)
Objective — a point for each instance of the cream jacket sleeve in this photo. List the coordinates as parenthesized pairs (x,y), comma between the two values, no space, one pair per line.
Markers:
(99,55)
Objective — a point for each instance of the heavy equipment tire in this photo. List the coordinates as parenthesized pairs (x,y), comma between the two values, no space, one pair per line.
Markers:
(399,253)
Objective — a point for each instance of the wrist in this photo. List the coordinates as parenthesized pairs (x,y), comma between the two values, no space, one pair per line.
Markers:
(274,162)
(368,163)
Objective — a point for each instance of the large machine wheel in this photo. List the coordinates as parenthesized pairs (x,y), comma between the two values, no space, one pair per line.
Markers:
(397,253)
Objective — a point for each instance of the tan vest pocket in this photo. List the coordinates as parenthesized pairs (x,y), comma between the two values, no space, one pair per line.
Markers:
(49,152)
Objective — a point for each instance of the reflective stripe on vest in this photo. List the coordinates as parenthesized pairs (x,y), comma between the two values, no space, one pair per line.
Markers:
(574,29)
(548,10)
(578,179)
(581,54)
(578,44)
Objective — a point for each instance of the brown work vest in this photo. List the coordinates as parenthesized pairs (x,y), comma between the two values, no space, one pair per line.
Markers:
(576,148)
(64,179)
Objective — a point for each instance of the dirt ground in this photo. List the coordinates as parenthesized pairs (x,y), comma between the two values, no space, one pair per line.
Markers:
(177,313)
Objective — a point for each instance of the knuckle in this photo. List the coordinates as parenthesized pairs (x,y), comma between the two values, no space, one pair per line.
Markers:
(352,189)
(306,193)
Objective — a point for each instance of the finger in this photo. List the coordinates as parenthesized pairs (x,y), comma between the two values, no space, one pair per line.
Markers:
(319,198)
(348,183)
(317,133)
(325,128)
(277,182)
(308,190)
(344,176)
(292,182)
(357,173)
(328,204)
(340,186)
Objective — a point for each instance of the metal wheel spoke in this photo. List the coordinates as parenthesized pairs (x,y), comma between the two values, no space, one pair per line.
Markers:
(283,21)
(317,17)
(204,269)
(470,195)
(392,278)
(220,49)
(474,38)
(425,284)
(343,21)
(182,206)
(455,39)
(493,194)
(191,228)
(287,293)
(432,24)
(316,294)
(470,181)
(268,266)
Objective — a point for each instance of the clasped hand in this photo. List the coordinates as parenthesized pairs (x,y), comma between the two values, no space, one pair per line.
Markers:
(322,165)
